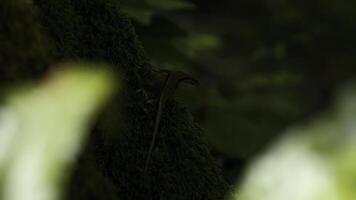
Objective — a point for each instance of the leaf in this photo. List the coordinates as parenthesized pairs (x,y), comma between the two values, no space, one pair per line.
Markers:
(42,128)
(141,15)
(197,43)
(170,4)
(142,11)
(315,161)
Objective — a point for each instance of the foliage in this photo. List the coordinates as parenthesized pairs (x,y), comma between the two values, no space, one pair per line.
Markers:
(143,10)
(263,64)
(311,162)
(43,127)
(279,63)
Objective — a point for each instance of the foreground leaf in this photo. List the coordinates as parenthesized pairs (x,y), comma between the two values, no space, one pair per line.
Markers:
(42,128)
(312,162)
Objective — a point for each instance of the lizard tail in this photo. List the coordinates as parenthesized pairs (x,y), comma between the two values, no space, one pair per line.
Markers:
(155,131)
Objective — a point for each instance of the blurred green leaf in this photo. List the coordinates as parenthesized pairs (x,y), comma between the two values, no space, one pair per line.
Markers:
(138,10)
(141,15)
(170,4)
(311,162)
(42,128)
(143,10)
(197,43)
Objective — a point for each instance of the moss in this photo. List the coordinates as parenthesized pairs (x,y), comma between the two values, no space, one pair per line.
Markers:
(89,183)
(23,47)
(111,166)
(94,30)
(181,166)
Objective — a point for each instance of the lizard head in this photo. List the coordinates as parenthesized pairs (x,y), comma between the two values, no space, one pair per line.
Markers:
(187,78)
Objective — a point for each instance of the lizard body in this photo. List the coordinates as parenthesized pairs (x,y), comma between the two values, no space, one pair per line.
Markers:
(171,84)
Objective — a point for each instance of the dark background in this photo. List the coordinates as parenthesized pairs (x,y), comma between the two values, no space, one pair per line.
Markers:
(263,64)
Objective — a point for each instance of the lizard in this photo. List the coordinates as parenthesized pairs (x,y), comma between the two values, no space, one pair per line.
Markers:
(171,84)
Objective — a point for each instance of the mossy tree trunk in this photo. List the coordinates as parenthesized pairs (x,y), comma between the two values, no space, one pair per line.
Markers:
(111,167)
